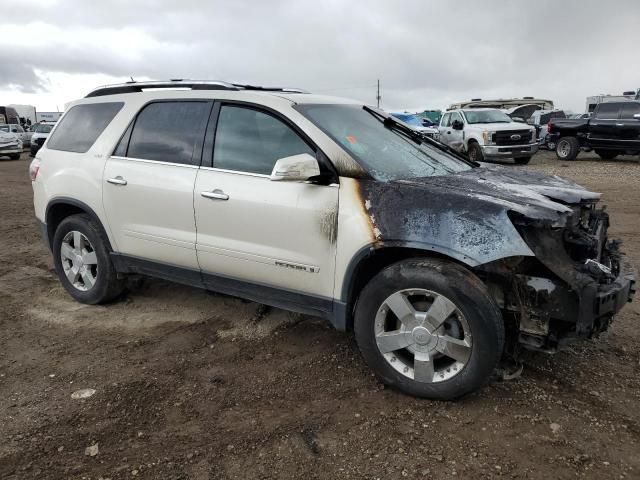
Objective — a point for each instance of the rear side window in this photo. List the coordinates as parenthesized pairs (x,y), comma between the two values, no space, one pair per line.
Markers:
(629,110)
(251,141)
(82,125)
(608,111)
(168,132)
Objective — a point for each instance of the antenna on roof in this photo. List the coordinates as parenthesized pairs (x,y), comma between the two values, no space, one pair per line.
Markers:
(132,80)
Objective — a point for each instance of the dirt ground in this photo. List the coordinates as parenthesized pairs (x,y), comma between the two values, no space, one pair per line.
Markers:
(194,385)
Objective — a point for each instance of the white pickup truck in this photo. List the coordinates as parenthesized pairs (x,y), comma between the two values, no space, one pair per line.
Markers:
(487,134)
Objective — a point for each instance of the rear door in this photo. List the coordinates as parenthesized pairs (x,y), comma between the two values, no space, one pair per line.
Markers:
(149,180)
(629,128)
(271,241)
(603,127)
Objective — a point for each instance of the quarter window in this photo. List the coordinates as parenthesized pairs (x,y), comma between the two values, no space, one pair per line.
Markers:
(608,111)
(168,132)
(249,140)
(82,125)
(445,119)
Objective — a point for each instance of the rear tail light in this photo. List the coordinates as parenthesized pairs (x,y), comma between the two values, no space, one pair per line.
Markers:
(549,127)
(34,168)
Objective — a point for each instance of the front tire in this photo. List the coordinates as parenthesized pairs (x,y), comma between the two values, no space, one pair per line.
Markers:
(429,328)
(475,152)
(567,148)
(82,261)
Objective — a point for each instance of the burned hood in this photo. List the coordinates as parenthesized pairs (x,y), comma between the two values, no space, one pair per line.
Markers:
(467,215)
(534,195)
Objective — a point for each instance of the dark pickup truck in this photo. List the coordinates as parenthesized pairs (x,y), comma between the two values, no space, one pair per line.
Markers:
(612,130)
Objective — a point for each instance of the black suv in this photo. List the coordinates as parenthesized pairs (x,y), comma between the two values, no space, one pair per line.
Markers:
(614,129)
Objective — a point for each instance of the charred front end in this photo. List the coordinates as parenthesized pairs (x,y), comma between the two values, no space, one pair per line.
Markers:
(539,243)
(573,286)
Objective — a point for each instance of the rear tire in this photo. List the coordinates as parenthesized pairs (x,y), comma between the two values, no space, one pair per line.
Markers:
(474,152)
(607,154)
(522,160)
(567,148)
(82,262)
(461,353)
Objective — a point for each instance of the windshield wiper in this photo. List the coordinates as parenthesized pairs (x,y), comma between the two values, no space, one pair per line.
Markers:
(393,124)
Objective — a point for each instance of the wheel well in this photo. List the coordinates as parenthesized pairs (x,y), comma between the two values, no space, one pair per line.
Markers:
(374,262)
(58,211)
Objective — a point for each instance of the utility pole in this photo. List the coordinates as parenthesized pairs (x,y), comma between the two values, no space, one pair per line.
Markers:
(378,97)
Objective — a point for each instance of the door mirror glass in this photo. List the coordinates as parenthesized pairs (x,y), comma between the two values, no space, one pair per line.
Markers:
(296,168)
(457,125)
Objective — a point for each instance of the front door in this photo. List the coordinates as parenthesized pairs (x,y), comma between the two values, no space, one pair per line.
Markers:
(272,241)
(148,183)
(456,137)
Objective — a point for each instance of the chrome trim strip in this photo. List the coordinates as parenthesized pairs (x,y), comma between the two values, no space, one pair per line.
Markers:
(144,160)
(237,172)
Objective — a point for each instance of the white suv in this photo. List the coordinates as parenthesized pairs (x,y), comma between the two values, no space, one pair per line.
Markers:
(488,134)
(328,207)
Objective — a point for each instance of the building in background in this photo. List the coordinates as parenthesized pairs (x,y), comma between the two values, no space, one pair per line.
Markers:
(48,116)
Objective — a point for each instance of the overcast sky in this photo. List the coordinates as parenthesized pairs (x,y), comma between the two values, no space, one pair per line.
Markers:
(427,54)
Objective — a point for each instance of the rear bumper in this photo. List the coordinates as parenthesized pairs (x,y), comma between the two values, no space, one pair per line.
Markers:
(10,150)
(511,151)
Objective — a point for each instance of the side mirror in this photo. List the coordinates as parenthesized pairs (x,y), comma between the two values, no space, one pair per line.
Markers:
(457,125)
(296,168)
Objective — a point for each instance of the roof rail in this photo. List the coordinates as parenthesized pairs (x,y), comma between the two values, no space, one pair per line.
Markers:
(134,87)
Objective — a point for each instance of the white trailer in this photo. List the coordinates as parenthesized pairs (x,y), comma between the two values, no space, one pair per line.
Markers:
(26,112)
(596,99)
(48,116)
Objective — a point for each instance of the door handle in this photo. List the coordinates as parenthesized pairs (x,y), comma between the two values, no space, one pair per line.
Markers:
(117,181)
(619,124)
(216,194)
(449,132)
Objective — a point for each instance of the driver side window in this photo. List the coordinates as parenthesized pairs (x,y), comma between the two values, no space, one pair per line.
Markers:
(248,140)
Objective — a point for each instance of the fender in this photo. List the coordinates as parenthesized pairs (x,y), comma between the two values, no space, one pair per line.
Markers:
(48,228)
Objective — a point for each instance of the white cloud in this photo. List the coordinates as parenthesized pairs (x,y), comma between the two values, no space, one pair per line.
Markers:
(427,54)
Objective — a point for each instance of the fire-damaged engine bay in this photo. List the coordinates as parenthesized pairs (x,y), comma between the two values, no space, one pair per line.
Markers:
(571,288)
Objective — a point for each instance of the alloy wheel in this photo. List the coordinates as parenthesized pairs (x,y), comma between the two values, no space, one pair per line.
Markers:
(423,335)
(79,260)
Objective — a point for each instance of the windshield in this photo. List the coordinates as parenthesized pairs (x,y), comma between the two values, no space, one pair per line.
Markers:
(42,128)
(385,153)
(486,116)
